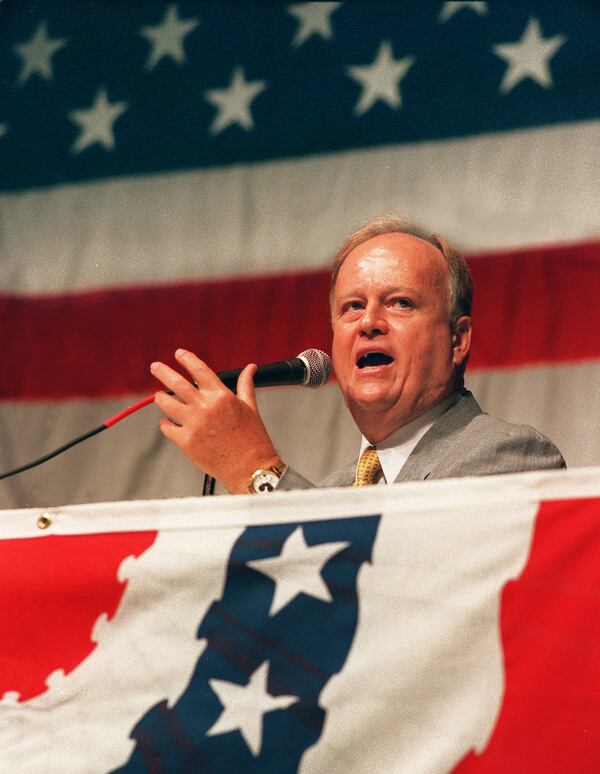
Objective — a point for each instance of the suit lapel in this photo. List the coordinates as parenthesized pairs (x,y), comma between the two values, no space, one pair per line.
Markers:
(439,439)
(343,477)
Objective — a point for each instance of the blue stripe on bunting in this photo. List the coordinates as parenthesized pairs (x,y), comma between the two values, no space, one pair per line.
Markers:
(303,644)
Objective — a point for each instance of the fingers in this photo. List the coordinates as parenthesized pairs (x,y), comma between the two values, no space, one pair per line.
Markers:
(204,376)
(246,390)
(219,431)
(201,374)
(174,381)
(171,431)
(171,406)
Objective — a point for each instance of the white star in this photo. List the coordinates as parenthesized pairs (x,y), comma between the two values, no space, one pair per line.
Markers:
(529,58)
(38,52)
(167,38)
(233,103)
(381,79)
(245,705)
(96,123)
(450,8)
(314,19)
(297,569)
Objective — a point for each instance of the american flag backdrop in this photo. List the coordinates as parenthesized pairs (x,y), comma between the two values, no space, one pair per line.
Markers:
(180,174)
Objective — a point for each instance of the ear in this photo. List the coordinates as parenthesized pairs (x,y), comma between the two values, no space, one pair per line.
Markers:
(461,339)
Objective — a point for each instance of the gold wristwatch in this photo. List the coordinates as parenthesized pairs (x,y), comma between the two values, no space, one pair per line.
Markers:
(266,480)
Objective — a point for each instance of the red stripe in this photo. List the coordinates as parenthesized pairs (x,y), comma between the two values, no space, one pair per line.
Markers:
(534,306)
(102,343)
(41,634)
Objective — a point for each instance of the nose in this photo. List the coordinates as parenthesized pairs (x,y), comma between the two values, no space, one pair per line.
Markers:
(373,321)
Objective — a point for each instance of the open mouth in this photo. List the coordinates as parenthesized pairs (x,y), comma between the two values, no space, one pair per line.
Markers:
(374,359)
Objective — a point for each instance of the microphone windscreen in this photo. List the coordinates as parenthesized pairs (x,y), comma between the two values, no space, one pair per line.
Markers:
(318,367)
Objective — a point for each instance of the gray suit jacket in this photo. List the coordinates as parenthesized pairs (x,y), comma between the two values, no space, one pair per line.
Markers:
(464,441)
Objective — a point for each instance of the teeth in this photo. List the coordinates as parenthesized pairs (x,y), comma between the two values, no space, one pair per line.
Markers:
(374,359)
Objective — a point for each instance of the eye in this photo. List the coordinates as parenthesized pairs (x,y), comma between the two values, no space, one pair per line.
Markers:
(353,306)
(401,303)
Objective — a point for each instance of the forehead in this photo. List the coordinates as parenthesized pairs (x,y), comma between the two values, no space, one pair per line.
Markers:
(394,260)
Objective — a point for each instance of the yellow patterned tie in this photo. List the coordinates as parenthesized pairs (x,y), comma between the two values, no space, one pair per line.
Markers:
(369,467)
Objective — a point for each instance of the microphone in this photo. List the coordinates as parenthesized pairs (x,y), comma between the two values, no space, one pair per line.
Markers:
(312,368)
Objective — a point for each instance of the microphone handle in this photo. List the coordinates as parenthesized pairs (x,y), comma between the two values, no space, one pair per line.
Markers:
(271,375)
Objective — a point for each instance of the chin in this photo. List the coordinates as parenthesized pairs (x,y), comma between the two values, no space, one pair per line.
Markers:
(371,399)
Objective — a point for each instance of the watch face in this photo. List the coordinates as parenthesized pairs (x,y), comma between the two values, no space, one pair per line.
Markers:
(264,481)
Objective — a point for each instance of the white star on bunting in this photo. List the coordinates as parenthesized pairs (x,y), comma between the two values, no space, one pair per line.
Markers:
(245,705)
(454,6)
(381,79)
(37,54)
(233,103)
(167,38)
(297,569)
(529,58)
(96,122)
(314,19)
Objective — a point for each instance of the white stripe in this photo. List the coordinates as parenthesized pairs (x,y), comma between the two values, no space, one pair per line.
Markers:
(310,428)
(190,513)
(487,192)
(424,680)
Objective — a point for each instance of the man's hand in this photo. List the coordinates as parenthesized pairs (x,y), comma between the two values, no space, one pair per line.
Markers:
(221,433)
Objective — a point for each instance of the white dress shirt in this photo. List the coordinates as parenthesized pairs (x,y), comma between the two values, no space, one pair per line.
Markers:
(394,450)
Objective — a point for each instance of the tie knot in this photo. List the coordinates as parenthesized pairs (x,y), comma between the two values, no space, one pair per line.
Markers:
(369,467)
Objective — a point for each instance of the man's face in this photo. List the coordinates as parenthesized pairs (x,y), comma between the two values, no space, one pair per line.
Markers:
(394,351)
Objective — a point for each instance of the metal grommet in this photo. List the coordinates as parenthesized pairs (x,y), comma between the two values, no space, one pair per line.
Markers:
(44,521)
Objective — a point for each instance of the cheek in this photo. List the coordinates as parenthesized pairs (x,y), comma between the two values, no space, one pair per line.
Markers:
(438,348)
(341,347)
(339,360)
(427,346)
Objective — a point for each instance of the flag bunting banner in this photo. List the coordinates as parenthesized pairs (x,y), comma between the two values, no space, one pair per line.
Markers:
(447,626)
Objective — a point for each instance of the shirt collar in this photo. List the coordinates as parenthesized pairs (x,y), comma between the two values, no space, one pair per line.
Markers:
(394,450)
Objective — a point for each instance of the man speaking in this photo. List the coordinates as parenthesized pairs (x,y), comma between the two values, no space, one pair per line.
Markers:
(400,312)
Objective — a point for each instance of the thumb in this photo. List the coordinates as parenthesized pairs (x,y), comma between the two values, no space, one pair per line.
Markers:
(246,391)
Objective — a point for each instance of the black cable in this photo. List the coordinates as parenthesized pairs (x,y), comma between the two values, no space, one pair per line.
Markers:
(208,488)
(104,426)
(54,453)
